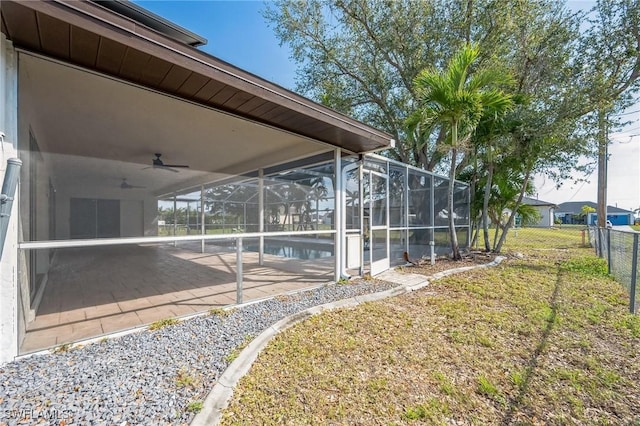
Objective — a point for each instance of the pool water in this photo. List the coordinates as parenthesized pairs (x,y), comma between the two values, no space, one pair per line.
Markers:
(293,251)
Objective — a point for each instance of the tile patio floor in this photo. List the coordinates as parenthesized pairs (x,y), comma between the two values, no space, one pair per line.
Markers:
(101,290)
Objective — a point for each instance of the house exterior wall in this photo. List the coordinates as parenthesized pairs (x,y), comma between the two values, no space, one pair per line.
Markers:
(546,216)
(10,303)
(615,218)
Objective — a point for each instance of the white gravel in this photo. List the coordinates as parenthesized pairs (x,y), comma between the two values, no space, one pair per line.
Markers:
(150,377)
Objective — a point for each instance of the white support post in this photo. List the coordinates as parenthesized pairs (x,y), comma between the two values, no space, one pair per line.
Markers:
(202,216)
(13,302)
(406,209)
(337,217)
(361,208)
(175,218)
(432,207)
(239,271)
(261,216)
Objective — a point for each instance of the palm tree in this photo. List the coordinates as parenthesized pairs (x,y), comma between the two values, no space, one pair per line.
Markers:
(456,99)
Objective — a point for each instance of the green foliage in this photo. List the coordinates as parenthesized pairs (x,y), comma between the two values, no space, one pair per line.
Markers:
(485,387)
(157,325)
(185,379)
(362,57)
(455,100)
(415,413)
(631,323)
(195,407)
(220,312)
(585,210)
(65,347)
(588,265)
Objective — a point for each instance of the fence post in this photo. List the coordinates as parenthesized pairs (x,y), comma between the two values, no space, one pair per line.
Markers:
(634,274)
(609,251)
(239,271)
(599,245)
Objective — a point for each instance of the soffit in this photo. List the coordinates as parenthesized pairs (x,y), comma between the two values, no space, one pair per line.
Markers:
(88,35)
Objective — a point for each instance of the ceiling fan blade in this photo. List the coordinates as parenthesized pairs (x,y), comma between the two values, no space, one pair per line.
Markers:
(163,167)
(127,185)
(157,162)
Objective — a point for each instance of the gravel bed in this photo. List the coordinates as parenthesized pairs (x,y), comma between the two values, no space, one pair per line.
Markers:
(150,377)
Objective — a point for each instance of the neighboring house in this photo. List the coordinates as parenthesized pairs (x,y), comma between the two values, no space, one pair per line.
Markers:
(570,213)
(118,119)
(544,208)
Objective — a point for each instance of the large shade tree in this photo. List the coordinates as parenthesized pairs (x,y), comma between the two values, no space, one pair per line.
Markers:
(453,101)
(362,56)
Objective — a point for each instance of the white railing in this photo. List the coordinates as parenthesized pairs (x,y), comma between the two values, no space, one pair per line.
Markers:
(237,237)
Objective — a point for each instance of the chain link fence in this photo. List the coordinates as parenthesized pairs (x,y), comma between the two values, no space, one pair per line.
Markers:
(620,249)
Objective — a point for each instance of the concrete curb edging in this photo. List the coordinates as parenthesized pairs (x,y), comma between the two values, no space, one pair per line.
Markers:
(218,399)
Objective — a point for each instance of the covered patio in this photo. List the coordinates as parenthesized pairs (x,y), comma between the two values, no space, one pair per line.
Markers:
(101,290)
(140,155)
(92,182)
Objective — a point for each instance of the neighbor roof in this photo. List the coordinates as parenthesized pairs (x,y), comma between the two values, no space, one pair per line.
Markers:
(575,207)
(94,37)
(536,202)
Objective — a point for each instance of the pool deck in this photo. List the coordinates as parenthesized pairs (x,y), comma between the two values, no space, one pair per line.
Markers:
(92,292)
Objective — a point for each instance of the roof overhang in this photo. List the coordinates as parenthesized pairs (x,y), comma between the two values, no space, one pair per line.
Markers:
(96,38)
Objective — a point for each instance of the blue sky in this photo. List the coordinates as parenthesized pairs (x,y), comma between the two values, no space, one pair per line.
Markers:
(237,33)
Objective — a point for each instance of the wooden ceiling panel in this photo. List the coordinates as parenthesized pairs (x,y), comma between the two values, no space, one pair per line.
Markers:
(175,78)
(238,99)
(223,95)
(155,71)
(263,109)
(21,24)
(275,112)
(84,47)
(249,106)
(208,90)
(192,85)
(54,36)
(133,63)
(297,122)
(110,55)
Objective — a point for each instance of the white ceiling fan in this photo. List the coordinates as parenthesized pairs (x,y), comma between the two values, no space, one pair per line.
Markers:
(157,163)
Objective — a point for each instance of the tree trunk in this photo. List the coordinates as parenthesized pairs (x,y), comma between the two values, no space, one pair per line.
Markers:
(512,217)
(475,233)
(485,206)
(450,190)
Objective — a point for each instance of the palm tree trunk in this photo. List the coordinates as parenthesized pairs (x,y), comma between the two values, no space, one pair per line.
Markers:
(485,207)
(450,190)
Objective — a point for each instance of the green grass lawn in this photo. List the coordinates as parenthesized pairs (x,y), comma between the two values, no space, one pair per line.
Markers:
(542,340)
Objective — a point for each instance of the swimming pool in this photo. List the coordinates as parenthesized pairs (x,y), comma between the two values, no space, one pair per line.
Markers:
(294,250)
